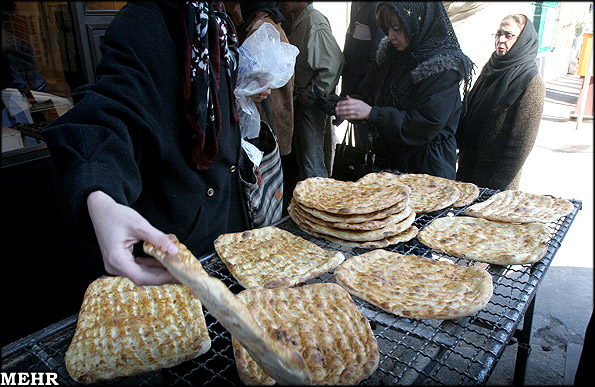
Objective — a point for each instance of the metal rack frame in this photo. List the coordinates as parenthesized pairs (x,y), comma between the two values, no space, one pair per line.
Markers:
(460,351)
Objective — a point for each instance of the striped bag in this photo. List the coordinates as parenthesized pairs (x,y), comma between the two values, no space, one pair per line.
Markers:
(263,185)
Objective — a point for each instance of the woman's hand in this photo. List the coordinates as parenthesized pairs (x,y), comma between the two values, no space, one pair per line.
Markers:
(353,109)
(118,228)
(261,96)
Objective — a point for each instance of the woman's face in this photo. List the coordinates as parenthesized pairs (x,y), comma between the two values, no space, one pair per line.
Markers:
(397,34)
(506,36)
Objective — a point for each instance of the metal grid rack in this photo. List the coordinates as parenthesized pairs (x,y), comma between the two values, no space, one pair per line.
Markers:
(461,351)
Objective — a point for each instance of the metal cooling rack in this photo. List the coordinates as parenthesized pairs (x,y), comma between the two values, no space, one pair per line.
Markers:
(461,351)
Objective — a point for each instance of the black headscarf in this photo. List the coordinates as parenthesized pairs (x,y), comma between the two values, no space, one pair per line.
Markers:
(503,79)
(430,35)
(251,8)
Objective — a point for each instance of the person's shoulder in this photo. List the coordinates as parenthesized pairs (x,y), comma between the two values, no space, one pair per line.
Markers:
(317,19)
(134,16)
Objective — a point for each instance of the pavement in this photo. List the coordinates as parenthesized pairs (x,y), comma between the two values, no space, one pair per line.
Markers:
(561,165)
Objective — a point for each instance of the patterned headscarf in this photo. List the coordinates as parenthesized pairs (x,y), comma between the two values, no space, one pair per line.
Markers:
(212,38)
(431,34)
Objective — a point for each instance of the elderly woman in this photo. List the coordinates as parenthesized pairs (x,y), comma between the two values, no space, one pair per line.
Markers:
(410,98)
(504,108)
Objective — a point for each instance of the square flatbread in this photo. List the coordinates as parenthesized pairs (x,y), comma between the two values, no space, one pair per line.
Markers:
(347,197)
(389,230)
(428,193)
(270,257)
(484,240)
(124,330)
(323,323)
(521,207)
(416,287)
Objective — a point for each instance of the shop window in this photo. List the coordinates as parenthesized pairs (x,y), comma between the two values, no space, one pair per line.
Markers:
(47,52)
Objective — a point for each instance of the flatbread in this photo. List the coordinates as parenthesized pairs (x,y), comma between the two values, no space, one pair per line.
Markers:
(356,218)
(468,192)
(428,193)
(270,257)
(361,226)
(416,287)
(484,240)
(355,236)
(347,197)
(281,362)
(319,320)
(125,330)
(521,207)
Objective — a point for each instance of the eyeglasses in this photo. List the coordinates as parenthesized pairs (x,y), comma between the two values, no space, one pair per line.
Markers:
(506,34)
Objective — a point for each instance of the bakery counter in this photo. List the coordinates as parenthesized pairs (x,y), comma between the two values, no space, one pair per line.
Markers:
(412,351)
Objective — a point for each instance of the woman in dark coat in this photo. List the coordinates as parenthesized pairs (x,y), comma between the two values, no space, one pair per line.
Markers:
(152,147)
(410,99)
(504,110)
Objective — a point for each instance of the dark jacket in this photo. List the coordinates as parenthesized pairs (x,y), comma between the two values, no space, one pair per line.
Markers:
(128,135)
(494,156)
(414,122)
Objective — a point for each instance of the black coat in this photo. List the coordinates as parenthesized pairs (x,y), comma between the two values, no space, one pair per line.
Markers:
(128,135)
(414,123)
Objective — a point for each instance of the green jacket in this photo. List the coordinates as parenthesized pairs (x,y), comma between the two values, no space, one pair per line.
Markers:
(320,61)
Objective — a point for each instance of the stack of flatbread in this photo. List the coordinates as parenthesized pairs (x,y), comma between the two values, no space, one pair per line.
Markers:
(353,214)
(270,257)
(428,193)
(507,229)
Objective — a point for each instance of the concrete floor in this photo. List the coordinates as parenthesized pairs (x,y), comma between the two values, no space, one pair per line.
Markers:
(561,164)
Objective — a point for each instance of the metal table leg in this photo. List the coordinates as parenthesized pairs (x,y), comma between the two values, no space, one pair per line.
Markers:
(524,348)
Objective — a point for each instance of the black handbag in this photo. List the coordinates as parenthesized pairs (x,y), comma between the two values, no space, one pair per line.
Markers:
(352,163)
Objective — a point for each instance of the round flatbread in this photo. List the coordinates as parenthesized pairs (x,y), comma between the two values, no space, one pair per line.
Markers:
(428,193)
(468,192)
(416,287)
(356,218)
(487,241)
(521,207)
(363,226)
(347,197)
(356,236)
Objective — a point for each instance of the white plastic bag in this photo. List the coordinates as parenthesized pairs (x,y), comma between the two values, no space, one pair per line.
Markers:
(265,63)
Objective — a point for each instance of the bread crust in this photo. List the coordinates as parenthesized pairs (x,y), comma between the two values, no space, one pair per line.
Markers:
(323,323)
(521,207)
(489,241)
(347,197)
(125,330)
(270,257)
(428,193)
(284,364)
(416,287)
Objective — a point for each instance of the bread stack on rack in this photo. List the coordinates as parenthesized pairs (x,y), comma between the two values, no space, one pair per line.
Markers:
(353,214)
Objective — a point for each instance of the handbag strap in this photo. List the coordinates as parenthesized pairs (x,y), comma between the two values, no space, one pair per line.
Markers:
(267,111)
(349,134)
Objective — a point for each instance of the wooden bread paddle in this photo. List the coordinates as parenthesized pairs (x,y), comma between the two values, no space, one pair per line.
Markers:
(285,365)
